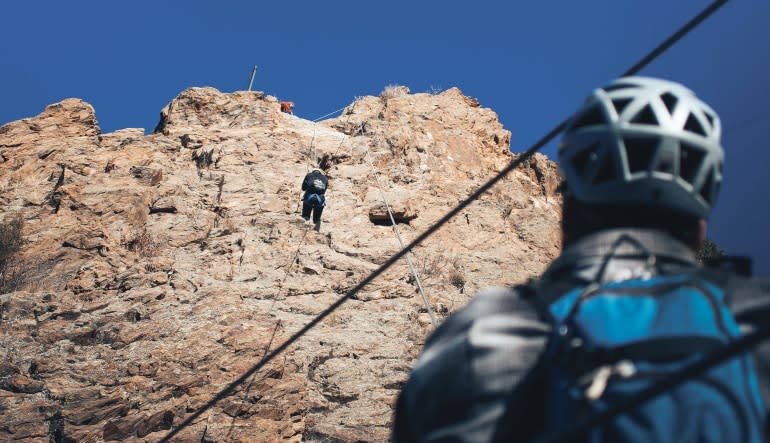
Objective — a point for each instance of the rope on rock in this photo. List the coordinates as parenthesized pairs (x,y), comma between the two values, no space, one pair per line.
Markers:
(333,112)
(401,242)
(408,257)
(343,139)
(288,269)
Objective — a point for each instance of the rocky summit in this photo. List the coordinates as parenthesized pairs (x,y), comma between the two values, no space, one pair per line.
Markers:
(155,270)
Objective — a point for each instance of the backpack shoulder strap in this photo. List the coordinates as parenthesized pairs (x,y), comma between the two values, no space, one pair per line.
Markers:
(530,293)
(523,418)
(541,295)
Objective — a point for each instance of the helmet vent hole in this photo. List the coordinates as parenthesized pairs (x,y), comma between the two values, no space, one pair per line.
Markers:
(620,104)
(670,101)
(710,118)
(639,152)
(593,116)
(690,159)
(580,161)
(606,171)
(693,125)
(705,191)
(645,117)
(665,162)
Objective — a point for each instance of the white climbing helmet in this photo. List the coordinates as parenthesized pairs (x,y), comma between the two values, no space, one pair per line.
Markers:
(644,140)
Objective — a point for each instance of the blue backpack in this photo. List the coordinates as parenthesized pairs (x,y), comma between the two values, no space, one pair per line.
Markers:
(612,340)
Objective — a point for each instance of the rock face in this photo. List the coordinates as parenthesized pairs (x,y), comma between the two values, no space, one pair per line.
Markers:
(159,268)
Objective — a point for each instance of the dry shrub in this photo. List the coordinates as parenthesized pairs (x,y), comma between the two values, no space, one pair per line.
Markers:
(32,276)
(436,270)
(10,239)
(456,278)
(203,158)
(435,90)
(709,251)
(506,208)
(13,278)
(440,265)
(19,273)
(142,242)
(506,202)
(393,91)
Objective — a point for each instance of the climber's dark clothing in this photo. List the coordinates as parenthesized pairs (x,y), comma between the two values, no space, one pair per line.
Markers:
(313,203)
(314,185)
(315,182)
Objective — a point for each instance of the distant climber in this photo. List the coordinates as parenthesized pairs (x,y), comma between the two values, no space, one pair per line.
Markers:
(314,185)
(287,107)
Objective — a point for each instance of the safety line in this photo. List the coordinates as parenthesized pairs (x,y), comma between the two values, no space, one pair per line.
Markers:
(401,242)
(313,157)
(288,269)
(409,262)
(433,228)
(689,26)
(343,139)
(333,112)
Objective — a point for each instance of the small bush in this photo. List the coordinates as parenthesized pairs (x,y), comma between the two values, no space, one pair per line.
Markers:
(15,273)
(143,243)
(457,279)
(440,265)
(31,275)
(393,91)
(709,251)
(203,158)
(435,90)
(10,240)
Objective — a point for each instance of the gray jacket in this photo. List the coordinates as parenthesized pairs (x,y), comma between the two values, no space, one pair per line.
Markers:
(466,375)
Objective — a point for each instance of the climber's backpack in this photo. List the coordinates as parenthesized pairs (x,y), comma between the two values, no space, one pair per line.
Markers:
(318,186)
(315,182)
(612,340)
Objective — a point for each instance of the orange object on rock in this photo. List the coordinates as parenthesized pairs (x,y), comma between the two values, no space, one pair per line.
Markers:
(287,107)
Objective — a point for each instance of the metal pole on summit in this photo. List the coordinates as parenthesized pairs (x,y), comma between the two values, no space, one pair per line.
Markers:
(251,78)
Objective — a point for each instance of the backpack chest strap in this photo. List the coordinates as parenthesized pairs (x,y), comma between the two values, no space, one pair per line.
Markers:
(655,350)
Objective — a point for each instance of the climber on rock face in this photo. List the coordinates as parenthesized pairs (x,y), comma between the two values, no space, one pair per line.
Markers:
(314,185)
(287,107)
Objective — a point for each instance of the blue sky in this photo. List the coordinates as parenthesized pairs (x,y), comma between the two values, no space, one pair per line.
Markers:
(531,62)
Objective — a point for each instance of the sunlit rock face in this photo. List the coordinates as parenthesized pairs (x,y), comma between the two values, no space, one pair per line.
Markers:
(159,268)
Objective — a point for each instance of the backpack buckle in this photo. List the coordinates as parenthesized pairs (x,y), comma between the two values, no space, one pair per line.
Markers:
(623,368)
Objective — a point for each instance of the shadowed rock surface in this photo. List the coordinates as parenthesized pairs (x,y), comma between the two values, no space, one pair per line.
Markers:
(159,268)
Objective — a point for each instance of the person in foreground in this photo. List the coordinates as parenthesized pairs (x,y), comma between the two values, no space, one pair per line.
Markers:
(623,306)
